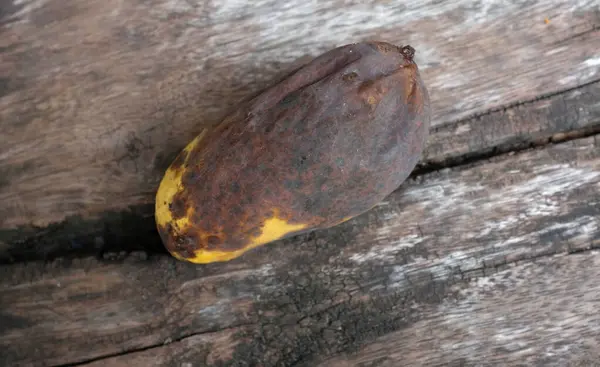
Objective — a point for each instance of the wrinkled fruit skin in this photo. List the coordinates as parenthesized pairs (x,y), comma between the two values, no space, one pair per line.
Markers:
(325,144)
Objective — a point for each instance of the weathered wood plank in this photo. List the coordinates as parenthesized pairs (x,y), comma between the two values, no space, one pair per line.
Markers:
(541,313)
(550,119)
(318,294)
(213,347)
(542,121)
(97,96)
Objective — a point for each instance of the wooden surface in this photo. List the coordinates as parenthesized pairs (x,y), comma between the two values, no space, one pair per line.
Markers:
(97,96)
(487,256)
(481,325)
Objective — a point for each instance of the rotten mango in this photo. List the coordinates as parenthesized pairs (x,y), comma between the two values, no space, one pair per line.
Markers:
(323,145)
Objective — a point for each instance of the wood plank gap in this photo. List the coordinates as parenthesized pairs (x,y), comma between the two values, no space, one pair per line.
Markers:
(513,146)
(508,106)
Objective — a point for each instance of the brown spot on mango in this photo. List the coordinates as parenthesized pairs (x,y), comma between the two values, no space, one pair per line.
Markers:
(316,149)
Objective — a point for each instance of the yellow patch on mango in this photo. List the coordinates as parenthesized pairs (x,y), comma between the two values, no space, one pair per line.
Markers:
(274,228)
(170,185)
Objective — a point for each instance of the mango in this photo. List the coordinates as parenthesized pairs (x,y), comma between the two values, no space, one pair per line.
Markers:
(325,144)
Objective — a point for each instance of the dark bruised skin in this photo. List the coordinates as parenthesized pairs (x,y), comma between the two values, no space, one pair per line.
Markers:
(325,144)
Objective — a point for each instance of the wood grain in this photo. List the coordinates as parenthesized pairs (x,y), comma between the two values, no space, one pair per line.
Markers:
(318,295)
(530,314)
(545,120)
(542,313)
(97,96)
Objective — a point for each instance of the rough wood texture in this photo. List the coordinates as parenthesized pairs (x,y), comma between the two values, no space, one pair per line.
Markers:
(97,96)
(542,313)
(544,120)
(380,273)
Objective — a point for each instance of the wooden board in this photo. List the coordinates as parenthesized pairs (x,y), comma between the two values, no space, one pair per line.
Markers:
(400,266)
(96,97)
(535,313)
